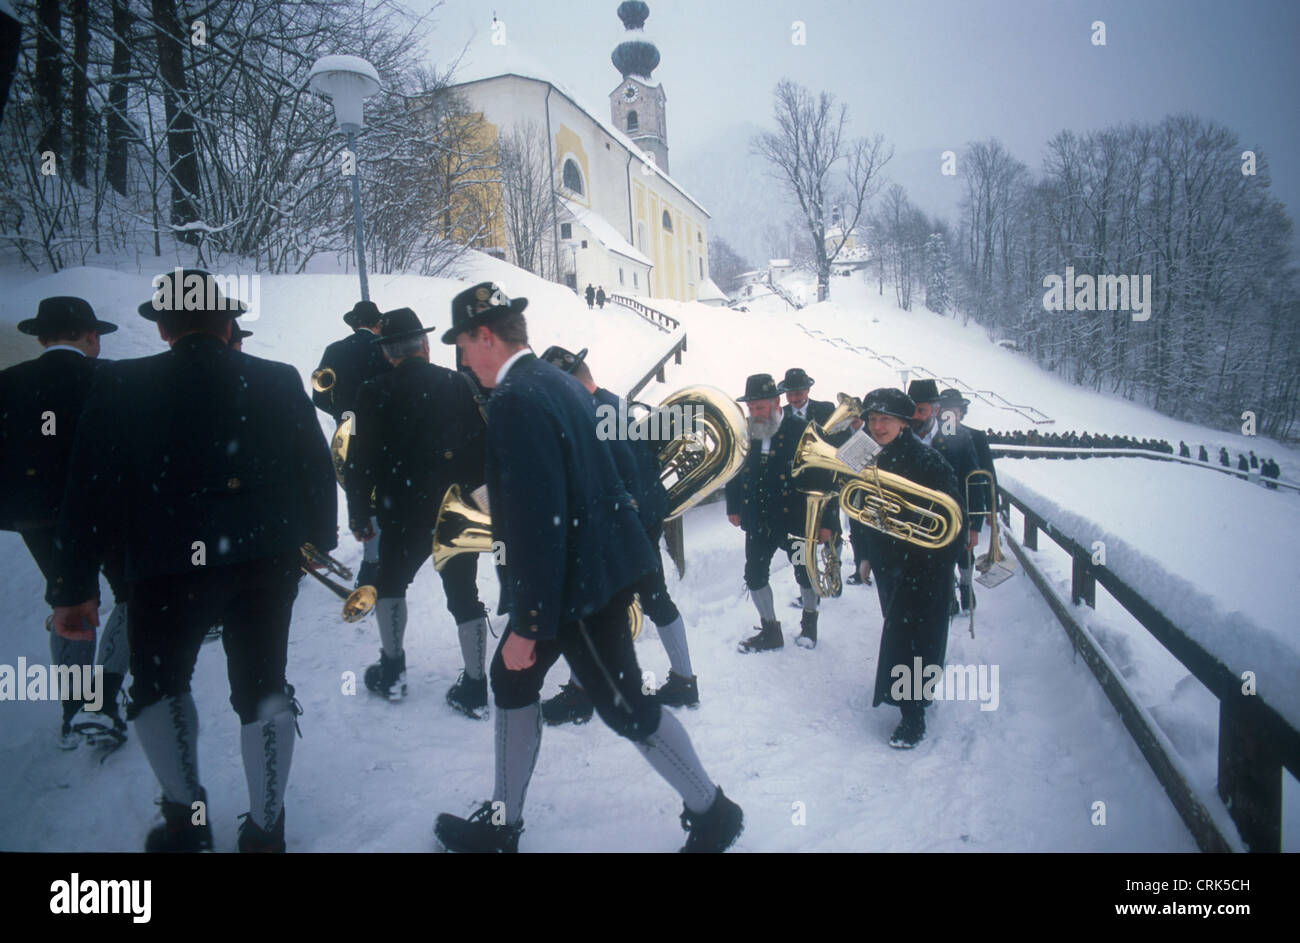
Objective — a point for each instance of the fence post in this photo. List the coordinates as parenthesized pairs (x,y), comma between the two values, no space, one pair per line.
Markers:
(659,374)
(1250,779)
(1031,534)
(1083,585)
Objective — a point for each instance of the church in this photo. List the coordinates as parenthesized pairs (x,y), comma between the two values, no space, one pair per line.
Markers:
(622,222)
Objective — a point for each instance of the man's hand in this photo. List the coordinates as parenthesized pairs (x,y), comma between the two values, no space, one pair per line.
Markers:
(824,535)
(365,533)
(974,539)
(70,622)
(518,652)
(735,519)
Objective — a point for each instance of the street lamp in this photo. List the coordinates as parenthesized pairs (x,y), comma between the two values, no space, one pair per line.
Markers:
(347,81)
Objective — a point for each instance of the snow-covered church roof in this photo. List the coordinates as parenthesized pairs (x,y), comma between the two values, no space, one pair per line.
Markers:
(485,61)
(604,232)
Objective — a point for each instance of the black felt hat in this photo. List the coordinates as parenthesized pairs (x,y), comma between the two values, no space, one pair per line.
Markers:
(564,359)
(759,386)
(891,402)
(400,324)
(952,397)
(481,304)
(239,332)
(189,291)
(795,379)
(923,391)
(363,314)
(64,313)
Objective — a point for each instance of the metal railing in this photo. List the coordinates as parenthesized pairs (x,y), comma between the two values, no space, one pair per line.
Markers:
(1000,450)
(994,399)
(657,318)
(1255,740)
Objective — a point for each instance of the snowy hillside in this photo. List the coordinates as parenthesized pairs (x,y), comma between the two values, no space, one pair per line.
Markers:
(774,730)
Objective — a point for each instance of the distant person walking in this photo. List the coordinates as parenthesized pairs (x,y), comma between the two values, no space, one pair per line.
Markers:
(1204,456)
(1271,470)
(591,295)
(600,298)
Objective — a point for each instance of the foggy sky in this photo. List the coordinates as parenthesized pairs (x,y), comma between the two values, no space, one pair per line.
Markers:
(929,74)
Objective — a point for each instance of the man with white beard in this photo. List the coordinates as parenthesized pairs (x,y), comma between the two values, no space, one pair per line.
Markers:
(762,500)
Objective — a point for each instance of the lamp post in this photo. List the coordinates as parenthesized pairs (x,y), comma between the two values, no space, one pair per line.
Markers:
(347,81)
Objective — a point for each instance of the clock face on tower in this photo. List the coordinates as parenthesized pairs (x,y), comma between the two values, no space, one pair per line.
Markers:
(630,94)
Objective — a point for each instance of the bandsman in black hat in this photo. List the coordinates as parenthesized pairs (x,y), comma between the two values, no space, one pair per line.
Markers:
(418,431)
(344,367)
(208,467)
(574,551)
(951,440)
(983,497)
(913,582)
(637,461)
(796,386)
(763,501)
(40,404)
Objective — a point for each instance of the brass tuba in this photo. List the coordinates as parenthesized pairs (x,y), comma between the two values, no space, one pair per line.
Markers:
(823,562)
(878,499)
(698,461)
(463,528)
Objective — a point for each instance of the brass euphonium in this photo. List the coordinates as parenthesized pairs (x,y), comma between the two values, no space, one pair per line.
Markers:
(881,500)
(823,563)
(462,528)
(358,602)
(702,458)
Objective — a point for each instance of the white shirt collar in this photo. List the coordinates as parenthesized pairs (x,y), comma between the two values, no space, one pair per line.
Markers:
(801,411)
(75,350)
(505,367)
(928,438)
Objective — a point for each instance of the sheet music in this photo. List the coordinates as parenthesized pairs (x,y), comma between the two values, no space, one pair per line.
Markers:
(480,499)
(859,451)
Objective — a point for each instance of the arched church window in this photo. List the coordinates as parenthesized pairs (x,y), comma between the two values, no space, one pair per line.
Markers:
(632,123)
(668,221)
(572,176)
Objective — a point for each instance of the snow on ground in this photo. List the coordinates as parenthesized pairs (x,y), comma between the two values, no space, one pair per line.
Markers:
(774,730)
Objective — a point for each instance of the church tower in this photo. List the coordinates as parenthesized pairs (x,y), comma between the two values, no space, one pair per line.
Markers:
(637,104)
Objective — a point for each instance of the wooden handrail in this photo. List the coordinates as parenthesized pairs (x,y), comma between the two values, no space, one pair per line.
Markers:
(1255,740)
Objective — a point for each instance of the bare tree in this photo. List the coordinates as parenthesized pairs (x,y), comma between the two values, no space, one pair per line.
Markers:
(527,206)
(810,154)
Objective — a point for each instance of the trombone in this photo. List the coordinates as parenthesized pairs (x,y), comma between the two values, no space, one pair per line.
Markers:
(358,602)
(992,566)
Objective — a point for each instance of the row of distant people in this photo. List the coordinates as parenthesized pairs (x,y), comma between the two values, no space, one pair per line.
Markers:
(1266,468)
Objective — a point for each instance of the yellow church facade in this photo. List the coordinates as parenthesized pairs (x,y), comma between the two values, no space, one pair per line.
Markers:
(622,223)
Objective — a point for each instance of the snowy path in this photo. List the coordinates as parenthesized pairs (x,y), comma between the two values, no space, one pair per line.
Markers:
(776,729)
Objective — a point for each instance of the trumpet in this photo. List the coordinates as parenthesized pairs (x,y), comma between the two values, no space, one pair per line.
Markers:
(462,528)
(878,499)
(358,602)
(993,566)
(322,381)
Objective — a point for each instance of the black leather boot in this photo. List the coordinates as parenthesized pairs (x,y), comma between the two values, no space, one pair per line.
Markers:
(807,637)
(768,639)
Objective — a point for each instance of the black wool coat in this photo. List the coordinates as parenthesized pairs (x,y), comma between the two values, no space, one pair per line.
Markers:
(569,529)
(959,450)
(200,443)
(766,496)
(34,465)
(418,431)
(914,583)
(354,360)
(638,465)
